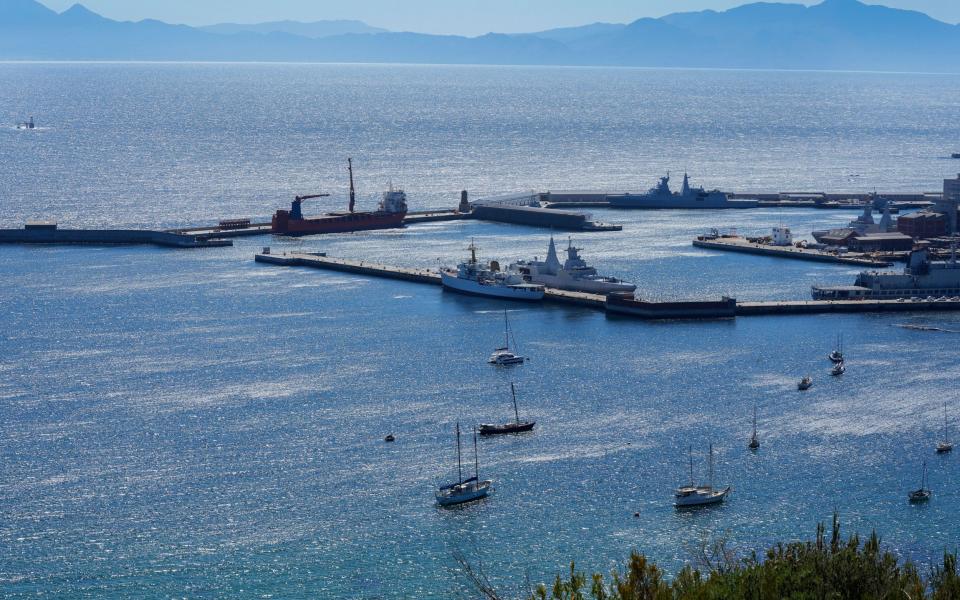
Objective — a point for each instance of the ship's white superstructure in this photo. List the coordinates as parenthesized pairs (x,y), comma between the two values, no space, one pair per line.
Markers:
(393,201)
(470,277)
(574,274)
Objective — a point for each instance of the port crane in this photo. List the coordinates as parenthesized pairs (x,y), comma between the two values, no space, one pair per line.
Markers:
(295,209)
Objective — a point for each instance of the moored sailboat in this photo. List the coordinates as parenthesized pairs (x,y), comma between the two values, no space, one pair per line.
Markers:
(754,440)
(945,445)
(924,493)
(699,495)
(465,490)
(517,426)
(837,355)
(505,356)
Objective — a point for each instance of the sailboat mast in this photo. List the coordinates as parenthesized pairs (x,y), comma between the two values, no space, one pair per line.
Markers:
(946,436)
(476,457)
(506,330)
(516,412)
(459,463)
(710,475)
(690,456)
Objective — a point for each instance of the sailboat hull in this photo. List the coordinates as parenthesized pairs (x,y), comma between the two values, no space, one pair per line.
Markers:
(487,429)
(462,493)
(701,497)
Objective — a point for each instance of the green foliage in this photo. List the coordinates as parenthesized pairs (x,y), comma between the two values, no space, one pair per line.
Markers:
(815,570)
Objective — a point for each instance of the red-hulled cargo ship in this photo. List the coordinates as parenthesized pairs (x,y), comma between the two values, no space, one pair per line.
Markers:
(390,214)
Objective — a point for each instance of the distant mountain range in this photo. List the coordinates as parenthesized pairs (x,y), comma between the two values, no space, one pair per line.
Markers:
(317,29)
(836,34)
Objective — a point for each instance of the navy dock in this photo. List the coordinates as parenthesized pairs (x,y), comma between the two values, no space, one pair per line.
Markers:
(725,308)
(739,244)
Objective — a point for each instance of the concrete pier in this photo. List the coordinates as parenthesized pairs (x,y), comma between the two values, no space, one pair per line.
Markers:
(648,310)
(48,233)
(810,307)
(739,244)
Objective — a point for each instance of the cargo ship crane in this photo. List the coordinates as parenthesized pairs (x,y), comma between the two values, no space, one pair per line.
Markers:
(295,210)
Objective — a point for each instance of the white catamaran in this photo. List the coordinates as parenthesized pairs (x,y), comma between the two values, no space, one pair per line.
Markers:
(504,356)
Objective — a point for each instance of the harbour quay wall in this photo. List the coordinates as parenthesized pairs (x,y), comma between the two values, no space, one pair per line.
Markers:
(742,245)
(538,217)
(810,307)
(52,235)
(322,261)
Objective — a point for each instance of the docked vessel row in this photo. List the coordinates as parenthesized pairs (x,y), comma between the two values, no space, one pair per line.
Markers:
(528,280)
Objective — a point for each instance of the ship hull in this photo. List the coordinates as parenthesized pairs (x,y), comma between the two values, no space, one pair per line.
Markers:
(283,225)
(724,309)
(468,286)
(582,285)
(658,202)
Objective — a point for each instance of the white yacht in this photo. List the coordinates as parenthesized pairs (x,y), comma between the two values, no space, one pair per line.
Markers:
(470,277)
(465,490)
(699,495)
(574,274)
(505,356)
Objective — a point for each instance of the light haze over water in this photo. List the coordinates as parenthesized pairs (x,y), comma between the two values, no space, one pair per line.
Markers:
(191,423)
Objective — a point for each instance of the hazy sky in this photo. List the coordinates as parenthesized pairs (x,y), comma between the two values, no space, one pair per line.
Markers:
(465,17)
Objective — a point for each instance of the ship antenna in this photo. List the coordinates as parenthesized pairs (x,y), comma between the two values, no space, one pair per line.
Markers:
(352,192)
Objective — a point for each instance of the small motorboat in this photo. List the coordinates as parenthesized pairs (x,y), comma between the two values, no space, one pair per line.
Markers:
(754,440)
(924,493)
(505,356)
(26,125)
(517,426)
(805,384)
(691,495)
(838,369)
(390,438)
(465,490)
(945,445)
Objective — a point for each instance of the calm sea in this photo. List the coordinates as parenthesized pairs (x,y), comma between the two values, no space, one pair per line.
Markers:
(191,424)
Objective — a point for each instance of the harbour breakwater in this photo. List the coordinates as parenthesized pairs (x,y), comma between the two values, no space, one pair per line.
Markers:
(49,233)
(724,308)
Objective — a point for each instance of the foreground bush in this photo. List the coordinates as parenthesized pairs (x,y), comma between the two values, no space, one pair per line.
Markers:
(821,569)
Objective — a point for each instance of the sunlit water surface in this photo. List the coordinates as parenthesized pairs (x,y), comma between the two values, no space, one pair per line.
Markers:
(190,423)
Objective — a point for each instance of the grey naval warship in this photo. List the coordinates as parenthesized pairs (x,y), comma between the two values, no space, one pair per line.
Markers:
(688,197)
